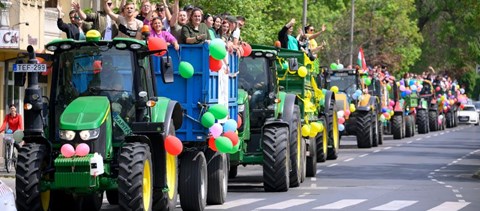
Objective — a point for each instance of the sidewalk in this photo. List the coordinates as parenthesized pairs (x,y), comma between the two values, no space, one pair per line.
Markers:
(3,172)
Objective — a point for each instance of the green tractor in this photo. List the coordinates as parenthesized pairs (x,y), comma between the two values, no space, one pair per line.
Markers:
(270,124)
(363,119)
(103,129)
(298,75)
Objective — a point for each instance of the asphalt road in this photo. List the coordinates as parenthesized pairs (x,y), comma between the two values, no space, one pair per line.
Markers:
(426,172)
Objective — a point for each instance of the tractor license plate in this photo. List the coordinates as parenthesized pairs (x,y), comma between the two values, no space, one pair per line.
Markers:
(29,68)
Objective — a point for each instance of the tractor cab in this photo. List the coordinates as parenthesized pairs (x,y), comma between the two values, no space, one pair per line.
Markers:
(346,80)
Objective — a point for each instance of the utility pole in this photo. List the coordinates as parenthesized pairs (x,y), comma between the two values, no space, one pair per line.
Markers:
(351,33)
(304,17)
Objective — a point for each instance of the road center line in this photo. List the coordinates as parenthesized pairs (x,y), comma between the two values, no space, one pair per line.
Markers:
(409,142)
(363,155)
(429,136)
(376,151)
(332,165)
(418,139)
(286,204)
(387,147)
(349,159)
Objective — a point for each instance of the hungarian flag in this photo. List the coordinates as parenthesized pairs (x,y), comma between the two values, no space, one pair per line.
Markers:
(361,60)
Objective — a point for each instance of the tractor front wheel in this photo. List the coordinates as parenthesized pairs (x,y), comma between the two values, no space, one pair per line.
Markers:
(217,168)
(364,130)
(193,181)
(422,118)
(276,159)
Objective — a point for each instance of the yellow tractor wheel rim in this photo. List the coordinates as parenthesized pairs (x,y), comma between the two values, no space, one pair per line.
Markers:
(45,199)
(335,131)
(147,185)
(299,146)
(325,141)
(171,175)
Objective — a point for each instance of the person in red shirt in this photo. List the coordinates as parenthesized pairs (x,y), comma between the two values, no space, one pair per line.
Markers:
(13,119)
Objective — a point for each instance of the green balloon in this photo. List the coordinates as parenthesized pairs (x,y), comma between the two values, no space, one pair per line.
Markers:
(218,111)
(185,69)
(389,87)
(223,144)
(333,66)
(368,81)
(285,66)
(217,49)
(236,147)
(208,120)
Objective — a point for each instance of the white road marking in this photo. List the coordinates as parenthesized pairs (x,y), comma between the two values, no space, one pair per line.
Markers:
(398,145)
(387,147)
(459,195)
(332,165)
(363,155)
(234,203)
(429,136)
(340,204)
(435,135)
(455,190)
(432,172)
(442,133)
(376,151)
(450,206)
(349,159)
(418,139)
(455,161)
(313,179)
(448,186)
(461,200)
(318,171)
(437,169)
(409,142)
(443,167)
(441,183)
(395,205)
(304,194)
(286,204)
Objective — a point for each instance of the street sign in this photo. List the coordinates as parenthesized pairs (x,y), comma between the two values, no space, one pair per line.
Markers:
(29,68)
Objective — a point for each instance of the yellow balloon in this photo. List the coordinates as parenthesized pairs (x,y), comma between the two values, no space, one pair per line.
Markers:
(302,71)
(317,127)
(334,89)
(312,134)
(352,108)
(305,130)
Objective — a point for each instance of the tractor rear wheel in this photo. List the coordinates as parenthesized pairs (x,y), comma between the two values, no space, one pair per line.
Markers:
(31,161)
(433,120)
(193,181)
(449,117)
(422,118)
(311,170)
(408,126)
(321,144)
(217,168)
(397,126)
(364,130)
(296,149)
(375,129)
(135,177)
(276,159)
(380,133)
(333,133)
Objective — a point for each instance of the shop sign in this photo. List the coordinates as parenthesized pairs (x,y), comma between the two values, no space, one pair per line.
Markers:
(9,38)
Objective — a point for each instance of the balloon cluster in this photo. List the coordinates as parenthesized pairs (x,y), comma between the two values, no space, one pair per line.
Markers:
(335,66)
(342,116)
(409,86)
(387,112)
(223,138)
(311,130)
(357,95)
(68,150)
(218,52)
(184,68)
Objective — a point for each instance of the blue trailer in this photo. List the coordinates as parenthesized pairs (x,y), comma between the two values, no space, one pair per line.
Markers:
(203,173)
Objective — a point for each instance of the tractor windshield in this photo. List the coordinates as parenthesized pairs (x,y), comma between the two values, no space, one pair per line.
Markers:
(253,78)
(88,71)
(346,83)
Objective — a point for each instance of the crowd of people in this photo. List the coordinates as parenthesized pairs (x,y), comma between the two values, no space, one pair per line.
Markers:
(189,25)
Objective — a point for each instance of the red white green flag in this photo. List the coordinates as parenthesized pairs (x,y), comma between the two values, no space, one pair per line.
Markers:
(361,60)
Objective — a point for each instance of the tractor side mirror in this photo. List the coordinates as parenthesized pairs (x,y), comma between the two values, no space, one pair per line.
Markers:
(293,64)
(167,69)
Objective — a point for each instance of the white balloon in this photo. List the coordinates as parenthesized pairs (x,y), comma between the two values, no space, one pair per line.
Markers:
(340,114)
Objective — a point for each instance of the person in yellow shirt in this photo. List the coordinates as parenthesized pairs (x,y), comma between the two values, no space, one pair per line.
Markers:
(312,35)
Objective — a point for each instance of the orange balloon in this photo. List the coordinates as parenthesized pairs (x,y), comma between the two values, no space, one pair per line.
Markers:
(155,44)
(278,44)
(97,66)
(173,145)
(232,136)
(239,120)
(211,144)
(247,49)
(215,65)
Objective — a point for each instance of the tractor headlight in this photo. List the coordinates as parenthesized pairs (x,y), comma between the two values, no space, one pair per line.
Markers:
(241,108)
(67,135)
(89,134)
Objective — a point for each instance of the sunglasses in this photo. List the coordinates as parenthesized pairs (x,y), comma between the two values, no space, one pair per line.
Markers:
(311,30)
(75,17)
(109,4)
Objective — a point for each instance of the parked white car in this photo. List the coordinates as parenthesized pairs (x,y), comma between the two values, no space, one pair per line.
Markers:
(468,115)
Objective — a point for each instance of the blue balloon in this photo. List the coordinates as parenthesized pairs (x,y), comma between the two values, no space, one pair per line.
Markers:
(341,127)
(404,94)
(9,131)
(355,96)
(230,125)
(384,110)
(358,92)
(411,82)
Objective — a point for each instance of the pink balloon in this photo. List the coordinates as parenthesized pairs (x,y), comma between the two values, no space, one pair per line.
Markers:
(392,103)
(216,130)
(347,113)
(341,120)
(67,150)
(82,150)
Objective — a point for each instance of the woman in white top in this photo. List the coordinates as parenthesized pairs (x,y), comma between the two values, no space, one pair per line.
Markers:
(128,25)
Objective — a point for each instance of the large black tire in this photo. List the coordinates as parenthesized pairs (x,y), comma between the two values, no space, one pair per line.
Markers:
(455,117)
(296,149)
(217,168)
(380,133)
(92,202)
(276,159)
(31,161)
(364,129)
(165,196)
(135,177)
(322,144)
(397,126)
(333,133)
(311,170)
(412,120)
(449,117)
(193,181)
(422,119)
(408,126)
(375,129)
(433,120)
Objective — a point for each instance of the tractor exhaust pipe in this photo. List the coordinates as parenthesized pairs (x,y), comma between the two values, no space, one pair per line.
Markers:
(33,100)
